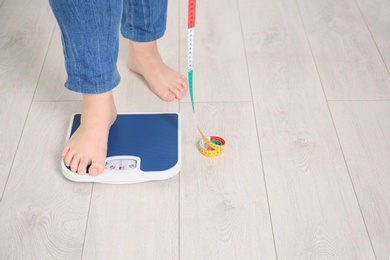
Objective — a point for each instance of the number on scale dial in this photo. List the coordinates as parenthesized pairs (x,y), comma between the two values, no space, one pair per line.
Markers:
(121,164)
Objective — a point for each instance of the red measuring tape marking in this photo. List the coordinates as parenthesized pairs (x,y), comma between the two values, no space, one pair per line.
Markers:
(213,145)
(191,13)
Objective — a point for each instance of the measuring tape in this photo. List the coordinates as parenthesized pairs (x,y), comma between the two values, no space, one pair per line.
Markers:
(213,145)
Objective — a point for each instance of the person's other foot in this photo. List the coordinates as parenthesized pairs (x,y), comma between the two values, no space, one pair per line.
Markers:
(88,145)
(163,81)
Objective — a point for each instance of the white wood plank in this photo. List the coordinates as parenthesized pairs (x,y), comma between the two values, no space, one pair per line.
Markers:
(43,215)
(138,221)
(314,211)
(348,61)
(223,202)
(219,57)
(377,16)
(53,76)
(364,132)
(24,39)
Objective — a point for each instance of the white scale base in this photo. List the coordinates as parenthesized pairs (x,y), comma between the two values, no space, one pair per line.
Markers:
(141,147)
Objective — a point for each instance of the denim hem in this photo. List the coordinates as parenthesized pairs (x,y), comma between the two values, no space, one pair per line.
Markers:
(94,89)
(142,38)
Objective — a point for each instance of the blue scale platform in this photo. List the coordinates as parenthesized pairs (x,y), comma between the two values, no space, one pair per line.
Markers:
(141,147)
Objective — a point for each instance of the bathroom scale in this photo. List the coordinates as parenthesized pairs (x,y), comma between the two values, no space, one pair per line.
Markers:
(141,147)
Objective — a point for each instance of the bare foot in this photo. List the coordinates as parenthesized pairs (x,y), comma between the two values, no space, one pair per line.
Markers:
(88,145)
(166,83)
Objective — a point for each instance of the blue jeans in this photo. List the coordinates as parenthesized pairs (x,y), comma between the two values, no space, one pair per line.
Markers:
(90,37)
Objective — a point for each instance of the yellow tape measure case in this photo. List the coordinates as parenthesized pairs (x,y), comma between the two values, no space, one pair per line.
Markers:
(141,147)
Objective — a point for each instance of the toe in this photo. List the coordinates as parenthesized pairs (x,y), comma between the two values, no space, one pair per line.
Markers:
(68,158)
(184,82)
(97,165)
(169,97)
(184,85)
(181,86)
(74,165)
(65,151)
(82,169)
(96,169)
(183,90)
(177,92)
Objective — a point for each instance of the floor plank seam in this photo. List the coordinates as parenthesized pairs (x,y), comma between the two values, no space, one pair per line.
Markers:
(335,130)
(16,152)
(353,186)
(257,129)
(217,102)
(311,50)
(28,112)
(25,121)
(372,37)
(357,100)
(86,224)
(44,62)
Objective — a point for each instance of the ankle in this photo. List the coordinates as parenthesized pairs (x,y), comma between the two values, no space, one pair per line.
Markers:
(143,51)
(99,107)
(101,97)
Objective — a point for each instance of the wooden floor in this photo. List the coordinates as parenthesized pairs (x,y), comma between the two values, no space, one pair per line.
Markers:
(300,90)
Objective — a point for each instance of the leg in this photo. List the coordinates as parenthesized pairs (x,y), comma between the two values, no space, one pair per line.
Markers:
(90,31)
(143,22)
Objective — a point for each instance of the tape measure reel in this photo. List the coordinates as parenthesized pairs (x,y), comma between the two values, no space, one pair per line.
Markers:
(208,146)
(211,146)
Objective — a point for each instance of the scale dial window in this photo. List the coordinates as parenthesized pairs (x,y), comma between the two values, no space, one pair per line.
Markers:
(120,164)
